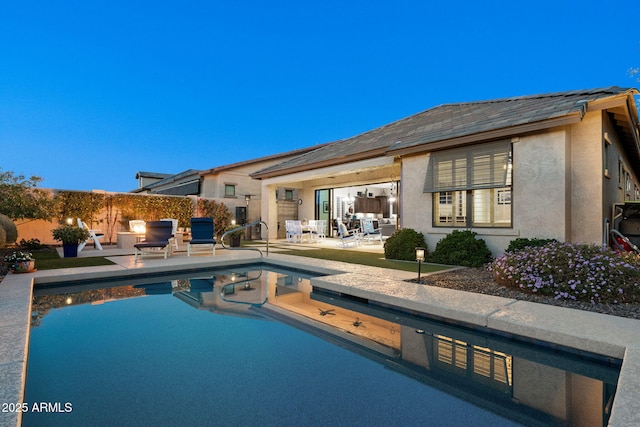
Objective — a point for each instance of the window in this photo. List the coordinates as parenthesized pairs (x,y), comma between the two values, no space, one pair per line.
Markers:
(472,186)
(229,190)
(606,154)
(481,364)
(288,194)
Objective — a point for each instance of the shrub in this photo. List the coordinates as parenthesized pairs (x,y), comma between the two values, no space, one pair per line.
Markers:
(461,248)
(31,244)
(11,231)
(218,211)
(70,234)
(571,271)
(3,238)
(521,243)
(403,243)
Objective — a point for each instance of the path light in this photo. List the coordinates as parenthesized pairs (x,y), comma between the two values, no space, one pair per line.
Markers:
(419,258)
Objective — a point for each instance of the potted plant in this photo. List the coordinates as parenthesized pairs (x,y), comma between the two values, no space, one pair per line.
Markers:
(70,236)
(21,262)
(234,238)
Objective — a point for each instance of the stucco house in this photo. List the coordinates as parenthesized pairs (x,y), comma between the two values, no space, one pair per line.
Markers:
(230,184)
(547,166)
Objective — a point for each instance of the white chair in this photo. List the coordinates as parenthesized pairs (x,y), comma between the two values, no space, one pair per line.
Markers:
(322,229)
(369,232)
(174,231)
(297,231)
(294,230)
(312,229)
(94,235)
(348,237)
(288,225)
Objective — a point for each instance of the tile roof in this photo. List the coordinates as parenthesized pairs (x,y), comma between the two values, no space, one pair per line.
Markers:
(450,121)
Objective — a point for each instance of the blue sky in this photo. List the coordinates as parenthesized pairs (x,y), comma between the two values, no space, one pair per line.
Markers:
(92,92)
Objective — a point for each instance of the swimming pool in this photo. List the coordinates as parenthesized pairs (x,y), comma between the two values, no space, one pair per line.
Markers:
(141,354)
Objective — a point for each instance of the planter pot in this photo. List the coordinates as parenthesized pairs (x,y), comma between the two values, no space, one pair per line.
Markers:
(24,266)
(70,250)
(235,241)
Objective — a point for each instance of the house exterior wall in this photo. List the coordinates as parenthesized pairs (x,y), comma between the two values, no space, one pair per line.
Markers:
(586,180)
(540,187)
(213,187)
(613,172)
(553,177)
(559,191)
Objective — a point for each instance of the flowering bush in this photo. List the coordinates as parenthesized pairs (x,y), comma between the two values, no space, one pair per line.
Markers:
(571,271)
(18,256)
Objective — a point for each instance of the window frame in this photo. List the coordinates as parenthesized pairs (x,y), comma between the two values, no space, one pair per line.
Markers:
(228,186)
(462,194)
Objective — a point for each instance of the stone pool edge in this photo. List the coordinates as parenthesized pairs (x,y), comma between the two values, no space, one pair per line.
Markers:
(607,335)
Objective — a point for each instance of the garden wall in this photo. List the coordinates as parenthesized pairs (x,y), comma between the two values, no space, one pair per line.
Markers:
(108,212)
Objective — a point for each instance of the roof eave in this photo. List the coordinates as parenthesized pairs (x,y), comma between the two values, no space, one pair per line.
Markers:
(569,119)
(320,164)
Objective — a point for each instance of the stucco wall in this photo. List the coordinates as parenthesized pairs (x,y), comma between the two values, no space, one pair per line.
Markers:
(586,180)
(540,186)
(541,207)
(613,182)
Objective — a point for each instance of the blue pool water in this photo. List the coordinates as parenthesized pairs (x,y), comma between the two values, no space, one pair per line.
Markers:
(156,360)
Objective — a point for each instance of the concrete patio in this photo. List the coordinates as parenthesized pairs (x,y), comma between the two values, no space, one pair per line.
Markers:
(610,336)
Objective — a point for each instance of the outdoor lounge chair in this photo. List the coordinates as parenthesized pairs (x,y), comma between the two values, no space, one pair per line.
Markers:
(370,233)
(202,234)
(156,239)
(348,237)
(93,235)
(174,231)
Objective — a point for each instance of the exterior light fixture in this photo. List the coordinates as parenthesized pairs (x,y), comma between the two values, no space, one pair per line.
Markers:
(247,198)
(69,221)
(420,259)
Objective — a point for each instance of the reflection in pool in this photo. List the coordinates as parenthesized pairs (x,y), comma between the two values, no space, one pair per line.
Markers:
(134,353)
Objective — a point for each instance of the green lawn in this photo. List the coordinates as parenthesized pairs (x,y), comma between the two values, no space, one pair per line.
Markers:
(365,258)
(48,260)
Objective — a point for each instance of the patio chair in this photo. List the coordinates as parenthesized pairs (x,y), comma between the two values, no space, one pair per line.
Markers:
(174,231)
(202,234)
(94,235)
(293,230)
(369,232)
(311,230)
(348,237)
(156,239)
(321,229)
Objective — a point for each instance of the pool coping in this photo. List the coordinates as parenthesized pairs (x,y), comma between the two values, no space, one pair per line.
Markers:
(611,336)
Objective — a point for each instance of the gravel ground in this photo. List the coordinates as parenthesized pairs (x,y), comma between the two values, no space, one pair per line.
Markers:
(479,280)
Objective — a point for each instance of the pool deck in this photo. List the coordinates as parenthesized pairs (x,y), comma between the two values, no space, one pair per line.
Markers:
(610,336)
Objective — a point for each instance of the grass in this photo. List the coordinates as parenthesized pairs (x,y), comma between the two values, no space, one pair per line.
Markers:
(49,260)
(365,258)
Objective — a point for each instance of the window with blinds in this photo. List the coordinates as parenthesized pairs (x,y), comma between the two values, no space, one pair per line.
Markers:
(471,186)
